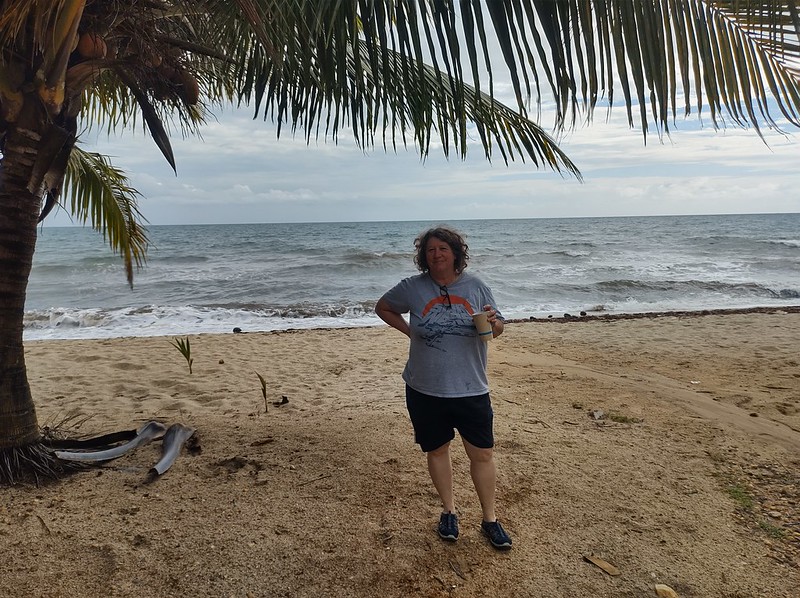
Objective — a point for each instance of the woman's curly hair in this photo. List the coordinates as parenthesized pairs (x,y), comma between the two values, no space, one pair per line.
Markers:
(449,236)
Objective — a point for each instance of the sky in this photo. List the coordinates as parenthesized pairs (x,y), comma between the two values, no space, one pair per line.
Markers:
(239,172)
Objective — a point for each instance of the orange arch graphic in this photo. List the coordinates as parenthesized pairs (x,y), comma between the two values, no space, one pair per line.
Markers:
(454,300)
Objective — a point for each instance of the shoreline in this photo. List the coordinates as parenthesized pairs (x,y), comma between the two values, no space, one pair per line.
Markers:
(566,318)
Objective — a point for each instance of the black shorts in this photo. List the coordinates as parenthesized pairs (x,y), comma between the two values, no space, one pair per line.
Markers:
(435,419)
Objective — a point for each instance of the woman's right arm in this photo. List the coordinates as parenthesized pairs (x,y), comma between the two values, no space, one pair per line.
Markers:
(391,317)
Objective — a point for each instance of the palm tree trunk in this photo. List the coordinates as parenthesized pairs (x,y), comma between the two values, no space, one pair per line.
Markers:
(19,209)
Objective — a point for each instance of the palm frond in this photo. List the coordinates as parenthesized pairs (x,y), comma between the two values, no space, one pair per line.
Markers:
(150,116)
(29,21)
(356,66)
(738,59)
(99,194)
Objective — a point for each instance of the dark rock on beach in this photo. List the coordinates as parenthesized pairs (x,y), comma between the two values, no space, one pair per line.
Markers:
(664,314)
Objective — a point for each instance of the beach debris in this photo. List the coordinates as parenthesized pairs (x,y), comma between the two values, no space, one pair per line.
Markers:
(457,569)
(317,479)
(182,345)
(385,537)
(96,442)
(283,401)
(597,414)
(664,591)
(99,449)
(694,381)
(147,433)
(621,418)
(266,440)
(174,438)
(602,563)
(47,531)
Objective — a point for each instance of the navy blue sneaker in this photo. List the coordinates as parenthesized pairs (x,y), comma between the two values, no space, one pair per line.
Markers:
(448,527)
(496,534)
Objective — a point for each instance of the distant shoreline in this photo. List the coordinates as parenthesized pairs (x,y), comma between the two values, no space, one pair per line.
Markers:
(659,314)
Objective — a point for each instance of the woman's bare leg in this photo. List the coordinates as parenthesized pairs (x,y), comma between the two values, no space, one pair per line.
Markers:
(441,471)
(484,477)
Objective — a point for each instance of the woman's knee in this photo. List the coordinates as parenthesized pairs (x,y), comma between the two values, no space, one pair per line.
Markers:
(477,454)
(439,451)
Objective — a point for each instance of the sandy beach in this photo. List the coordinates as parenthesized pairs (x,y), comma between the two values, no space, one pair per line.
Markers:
(667,446)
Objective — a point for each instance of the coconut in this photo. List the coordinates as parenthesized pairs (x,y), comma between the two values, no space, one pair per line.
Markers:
(92,46)
(151,59)
(167,72)
(188,88)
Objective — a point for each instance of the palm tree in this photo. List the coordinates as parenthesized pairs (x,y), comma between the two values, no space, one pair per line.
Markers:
(397,70)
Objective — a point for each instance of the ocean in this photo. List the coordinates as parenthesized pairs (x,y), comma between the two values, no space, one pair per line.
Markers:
(261,277)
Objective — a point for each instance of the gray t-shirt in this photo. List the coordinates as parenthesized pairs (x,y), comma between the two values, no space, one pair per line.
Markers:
(446,358)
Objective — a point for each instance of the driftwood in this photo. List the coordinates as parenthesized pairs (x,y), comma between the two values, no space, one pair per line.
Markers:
(149,432)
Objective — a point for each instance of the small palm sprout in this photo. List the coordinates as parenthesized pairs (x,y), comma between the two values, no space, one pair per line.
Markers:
(263,391)
(185,349)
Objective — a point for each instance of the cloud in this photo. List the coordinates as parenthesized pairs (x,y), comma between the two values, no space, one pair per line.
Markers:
(240,172)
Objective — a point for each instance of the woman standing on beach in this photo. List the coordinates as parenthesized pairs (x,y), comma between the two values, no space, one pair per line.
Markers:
(446,383)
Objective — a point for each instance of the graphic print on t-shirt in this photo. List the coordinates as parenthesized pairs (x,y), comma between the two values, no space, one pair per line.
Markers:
(440,318)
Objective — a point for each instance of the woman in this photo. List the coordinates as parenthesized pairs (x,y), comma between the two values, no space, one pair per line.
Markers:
(446,383)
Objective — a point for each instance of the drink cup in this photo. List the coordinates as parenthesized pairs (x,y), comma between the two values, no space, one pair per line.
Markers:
(481,321)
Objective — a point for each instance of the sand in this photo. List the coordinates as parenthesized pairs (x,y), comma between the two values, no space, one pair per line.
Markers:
(667,446)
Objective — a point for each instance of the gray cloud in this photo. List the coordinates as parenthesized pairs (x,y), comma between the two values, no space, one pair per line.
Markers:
(240,172)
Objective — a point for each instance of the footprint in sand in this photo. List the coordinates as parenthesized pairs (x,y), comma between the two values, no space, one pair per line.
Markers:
(126,366)
(86,358)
